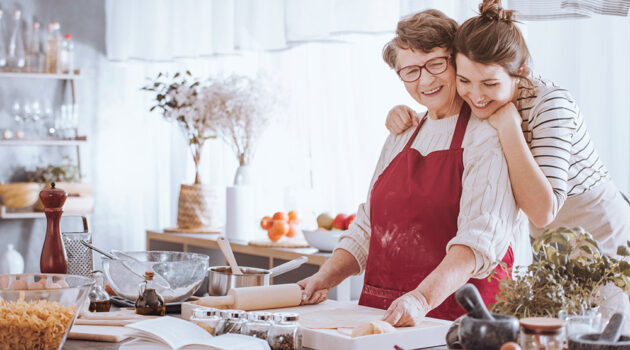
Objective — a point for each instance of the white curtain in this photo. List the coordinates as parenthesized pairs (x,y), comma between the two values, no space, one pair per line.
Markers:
(320,153)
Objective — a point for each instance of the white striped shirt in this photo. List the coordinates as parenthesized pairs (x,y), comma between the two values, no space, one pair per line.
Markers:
(556,133)
(489,220)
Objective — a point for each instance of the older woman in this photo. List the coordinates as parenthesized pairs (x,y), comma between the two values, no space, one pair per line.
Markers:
(440,210)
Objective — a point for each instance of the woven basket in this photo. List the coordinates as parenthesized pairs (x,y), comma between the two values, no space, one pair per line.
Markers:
(200,207)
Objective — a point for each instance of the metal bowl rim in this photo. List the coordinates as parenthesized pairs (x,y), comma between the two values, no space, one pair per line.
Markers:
(195,256)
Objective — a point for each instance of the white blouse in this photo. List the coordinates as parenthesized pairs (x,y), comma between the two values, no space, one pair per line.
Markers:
(489,220)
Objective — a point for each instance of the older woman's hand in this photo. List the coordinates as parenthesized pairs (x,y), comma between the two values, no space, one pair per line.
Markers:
(315,289)
(400,118)
(505,117)
(408,310)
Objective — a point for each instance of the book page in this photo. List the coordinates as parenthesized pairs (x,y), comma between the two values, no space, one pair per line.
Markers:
(172,331)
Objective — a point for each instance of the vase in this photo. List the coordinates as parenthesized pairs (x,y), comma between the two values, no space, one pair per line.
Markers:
(200,208)
(241,222)
(11,261)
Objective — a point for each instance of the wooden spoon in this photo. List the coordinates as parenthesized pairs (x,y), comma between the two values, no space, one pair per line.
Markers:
(224,244)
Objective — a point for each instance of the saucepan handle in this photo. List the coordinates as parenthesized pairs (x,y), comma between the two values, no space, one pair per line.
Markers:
(288,266)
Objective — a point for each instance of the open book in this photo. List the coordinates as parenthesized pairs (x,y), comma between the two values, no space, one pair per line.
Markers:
(175,333)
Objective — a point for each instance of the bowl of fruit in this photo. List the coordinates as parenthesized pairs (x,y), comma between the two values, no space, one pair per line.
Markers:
(329,229)
(281,225)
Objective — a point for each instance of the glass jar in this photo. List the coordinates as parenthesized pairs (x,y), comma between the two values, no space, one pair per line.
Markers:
(233,320)
(99,299)
(208,318)
(284,334)
(258,324)
(542,333)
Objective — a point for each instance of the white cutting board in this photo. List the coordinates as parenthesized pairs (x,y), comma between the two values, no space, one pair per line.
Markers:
(432,333)
(111,334)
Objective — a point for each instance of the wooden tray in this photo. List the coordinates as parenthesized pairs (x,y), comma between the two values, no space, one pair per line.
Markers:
(191,230)
(283,243)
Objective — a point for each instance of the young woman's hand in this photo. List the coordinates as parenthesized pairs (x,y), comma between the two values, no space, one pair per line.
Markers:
(400,118)
(505,117)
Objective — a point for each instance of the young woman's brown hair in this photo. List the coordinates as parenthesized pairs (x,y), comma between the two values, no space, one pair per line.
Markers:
(423,31)
(493,38)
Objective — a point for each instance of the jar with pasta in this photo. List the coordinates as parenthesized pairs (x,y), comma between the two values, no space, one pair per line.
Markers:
(208,318)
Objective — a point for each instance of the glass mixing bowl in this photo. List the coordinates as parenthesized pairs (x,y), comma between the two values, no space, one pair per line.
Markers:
(177,274)
(37,310)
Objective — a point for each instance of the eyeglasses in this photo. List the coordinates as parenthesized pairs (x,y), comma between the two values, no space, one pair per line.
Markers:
(435,65)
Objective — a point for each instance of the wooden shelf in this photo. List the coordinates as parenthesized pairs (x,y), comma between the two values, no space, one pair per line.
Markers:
(60,76)
(29,214)
(45,142)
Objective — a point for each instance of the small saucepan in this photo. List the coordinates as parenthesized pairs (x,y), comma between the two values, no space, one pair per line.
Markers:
(221,279)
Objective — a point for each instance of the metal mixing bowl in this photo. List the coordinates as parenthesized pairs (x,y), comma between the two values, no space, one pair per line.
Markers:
(177,274)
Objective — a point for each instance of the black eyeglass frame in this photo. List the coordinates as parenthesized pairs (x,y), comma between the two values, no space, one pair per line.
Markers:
(425,67)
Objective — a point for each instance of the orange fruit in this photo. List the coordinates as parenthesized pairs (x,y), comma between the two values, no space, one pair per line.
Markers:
(293,215)
(292,230)
(279,228)
(266,223)
(280,216)
(273,236)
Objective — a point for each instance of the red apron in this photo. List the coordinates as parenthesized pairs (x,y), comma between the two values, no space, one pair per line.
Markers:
(414,209)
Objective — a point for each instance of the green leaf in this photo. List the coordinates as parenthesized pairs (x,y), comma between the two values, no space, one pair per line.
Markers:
(176,75)
(623,250)
(152,108)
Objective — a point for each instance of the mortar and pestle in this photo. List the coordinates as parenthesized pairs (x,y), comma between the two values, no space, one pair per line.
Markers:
(479,329)
(610,339)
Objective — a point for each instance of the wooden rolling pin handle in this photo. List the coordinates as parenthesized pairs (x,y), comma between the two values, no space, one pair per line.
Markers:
(227,300)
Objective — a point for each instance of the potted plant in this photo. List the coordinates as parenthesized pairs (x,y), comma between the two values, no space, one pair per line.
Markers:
(568,274)
(180,98)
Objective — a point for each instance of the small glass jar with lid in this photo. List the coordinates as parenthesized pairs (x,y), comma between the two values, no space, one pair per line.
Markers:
(542,333)
(233,320)
(258,324)
(285,334)
(208,318)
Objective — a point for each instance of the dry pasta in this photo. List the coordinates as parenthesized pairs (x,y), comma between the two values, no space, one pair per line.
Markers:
(37,324)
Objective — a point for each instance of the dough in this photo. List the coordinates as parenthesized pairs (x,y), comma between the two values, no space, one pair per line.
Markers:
(372,327)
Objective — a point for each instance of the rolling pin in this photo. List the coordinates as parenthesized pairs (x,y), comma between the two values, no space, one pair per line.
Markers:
(257,298)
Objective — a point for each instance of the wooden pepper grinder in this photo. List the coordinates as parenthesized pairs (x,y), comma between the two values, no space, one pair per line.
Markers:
(53,259)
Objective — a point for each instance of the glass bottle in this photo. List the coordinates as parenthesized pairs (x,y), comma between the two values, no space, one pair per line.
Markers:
(149,301)
(258,324)
(99,299)
(3,47)
(233,321)
(284,334)
(53,43)
(208,318)
(33,54)
(66,56)
(542,333)
(17,56)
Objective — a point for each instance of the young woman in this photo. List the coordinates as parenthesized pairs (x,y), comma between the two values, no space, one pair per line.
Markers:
(557,176)
(440,210)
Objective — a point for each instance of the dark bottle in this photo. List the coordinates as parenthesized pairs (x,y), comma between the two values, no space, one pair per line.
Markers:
(99,299)
(149,301)
(53,258)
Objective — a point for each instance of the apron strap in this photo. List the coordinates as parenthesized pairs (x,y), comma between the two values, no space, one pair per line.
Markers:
(415,133)
(460,128)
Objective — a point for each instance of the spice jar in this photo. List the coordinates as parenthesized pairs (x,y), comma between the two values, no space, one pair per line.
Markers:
(258,324)
(208,318)
(542,333)
(284,334)
(233,321)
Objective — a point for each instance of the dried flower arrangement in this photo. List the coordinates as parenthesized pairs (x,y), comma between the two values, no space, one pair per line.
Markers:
(568,273)
(177,97)
(236,108)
